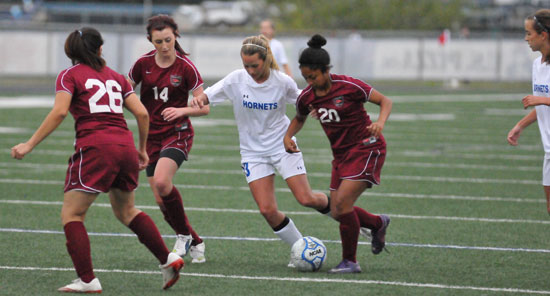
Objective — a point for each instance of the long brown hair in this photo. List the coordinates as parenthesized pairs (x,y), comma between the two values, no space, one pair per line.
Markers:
(260,45)
(541,23)
(82,46)
(159,23)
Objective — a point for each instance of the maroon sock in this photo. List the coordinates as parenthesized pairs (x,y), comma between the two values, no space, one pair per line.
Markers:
(149,235)
(196,238)
(174,207)
(166,217)
(367,219)
(78,246)
(349,234)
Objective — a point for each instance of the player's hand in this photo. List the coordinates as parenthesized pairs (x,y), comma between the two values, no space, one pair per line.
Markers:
(172,113)
(313,112)
(20,150)
(513,136)
(375,129)
(531,100)
(143,159)
(290,145)
(196,102)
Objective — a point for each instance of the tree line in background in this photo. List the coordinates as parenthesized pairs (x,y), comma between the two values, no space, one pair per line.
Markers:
(369,14)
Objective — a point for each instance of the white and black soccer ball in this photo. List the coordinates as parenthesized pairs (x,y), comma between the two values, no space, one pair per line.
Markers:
(308,254)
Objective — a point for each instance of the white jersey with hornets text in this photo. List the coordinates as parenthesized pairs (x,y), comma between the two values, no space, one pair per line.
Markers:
(541,85)
(259,109)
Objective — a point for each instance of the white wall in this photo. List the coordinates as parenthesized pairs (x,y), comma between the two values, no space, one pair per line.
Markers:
(41,53)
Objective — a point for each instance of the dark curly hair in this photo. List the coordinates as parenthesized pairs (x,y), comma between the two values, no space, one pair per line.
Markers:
(315,57)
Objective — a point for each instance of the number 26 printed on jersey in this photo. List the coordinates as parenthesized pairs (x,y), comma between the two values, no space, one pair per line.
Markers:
(113,91)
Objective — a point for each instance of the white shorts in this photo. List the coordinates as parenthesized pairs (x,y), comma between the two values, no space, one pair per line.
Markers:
(287,164)
(546,170)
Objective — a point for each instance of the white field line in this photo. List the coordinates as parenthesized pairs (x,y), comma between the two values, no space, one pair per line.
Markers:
(325,153)
(292,279)
(272,239)
(384,177)
(286,190)
(218,159)
(249,211)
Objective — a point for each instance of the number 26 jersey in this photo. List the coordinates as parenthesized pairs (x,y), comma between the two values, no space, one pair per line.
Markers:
(96,104)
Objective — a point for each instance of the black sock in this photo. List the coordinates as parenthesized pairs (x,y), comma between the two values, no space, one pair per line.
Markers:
(283,224)
(327,208)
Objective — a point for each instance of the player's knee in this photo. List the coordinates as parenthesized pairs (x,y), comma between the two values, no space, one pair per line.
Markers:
(163,186)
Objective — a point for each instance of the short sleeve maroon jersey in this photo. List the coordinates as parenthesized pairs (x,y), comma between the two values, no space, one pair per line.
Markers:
(341,112)
(96,104)
(164,87)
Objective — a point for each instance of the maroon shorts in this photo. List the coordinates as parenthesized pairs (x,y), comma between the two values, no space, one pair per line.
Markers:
(99,168)
(359,164)
(181,141)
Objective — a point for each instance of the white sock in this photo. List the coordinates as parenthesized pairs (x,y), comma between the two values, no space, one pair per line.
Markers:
(289,234)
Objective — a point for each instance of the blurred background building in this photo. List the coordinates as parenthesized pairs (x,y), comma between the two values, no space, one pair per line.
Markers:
(391,39)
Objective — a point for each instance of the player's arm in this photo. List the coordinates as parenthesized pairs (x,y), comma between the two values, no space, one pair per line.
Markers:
(515,132)
(132,83)
(172,113)
(385,109)
(50,123)
(532,100)
(294,127)
(134,105)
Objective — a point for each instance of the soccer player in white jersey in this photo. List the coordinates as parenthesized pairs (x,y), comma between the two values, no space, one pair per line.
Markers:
(537,35)
(259,94)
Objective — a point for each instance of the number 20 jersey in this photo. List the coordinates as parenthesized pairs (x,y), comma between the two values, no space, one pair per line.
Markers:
(96,104)
(164,87)
(341,112)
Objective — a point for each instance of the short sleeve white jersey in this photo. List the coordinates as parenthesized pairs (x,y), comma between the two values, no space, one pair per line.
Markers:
(541,87)
(278,51)
(259,109)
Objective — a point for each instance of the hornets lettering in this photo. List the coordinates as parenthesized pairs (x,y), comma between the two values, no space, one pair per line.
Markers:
(540,88)
(259,106)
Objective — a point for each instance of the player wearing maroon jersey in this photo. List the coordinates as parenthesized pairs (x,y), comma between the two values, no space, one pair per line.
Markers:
(167,76)
(358,147)
(105,158)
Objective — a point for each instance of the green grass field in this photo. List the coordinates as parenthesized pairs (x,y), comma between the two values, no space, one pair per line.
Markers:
(468,211)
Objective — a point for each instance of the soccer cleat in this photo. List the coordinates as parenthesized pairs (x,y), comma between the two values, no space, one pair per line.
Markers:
(365,232)
(182,245)
(379,236)
(197,253)
(78,286)
(346,266)
(171,270)
(290,264)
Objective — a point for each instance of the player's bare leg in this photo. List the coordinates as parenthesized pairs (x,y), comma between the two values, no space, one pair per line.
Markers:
(299,185)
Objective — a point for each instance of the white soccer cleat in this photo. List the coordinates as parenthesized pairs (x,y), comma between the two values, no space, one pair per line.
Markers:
(182,245)
(171,270)
(197,253)
(290,264)
(78,286)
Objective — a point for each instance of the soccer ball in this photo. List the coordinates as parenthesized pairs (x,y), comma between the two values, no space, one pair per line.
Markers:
(308,254)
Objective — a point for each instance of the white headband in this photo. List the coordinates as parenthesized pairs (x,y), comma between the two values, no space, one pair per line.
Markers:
(255,45)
